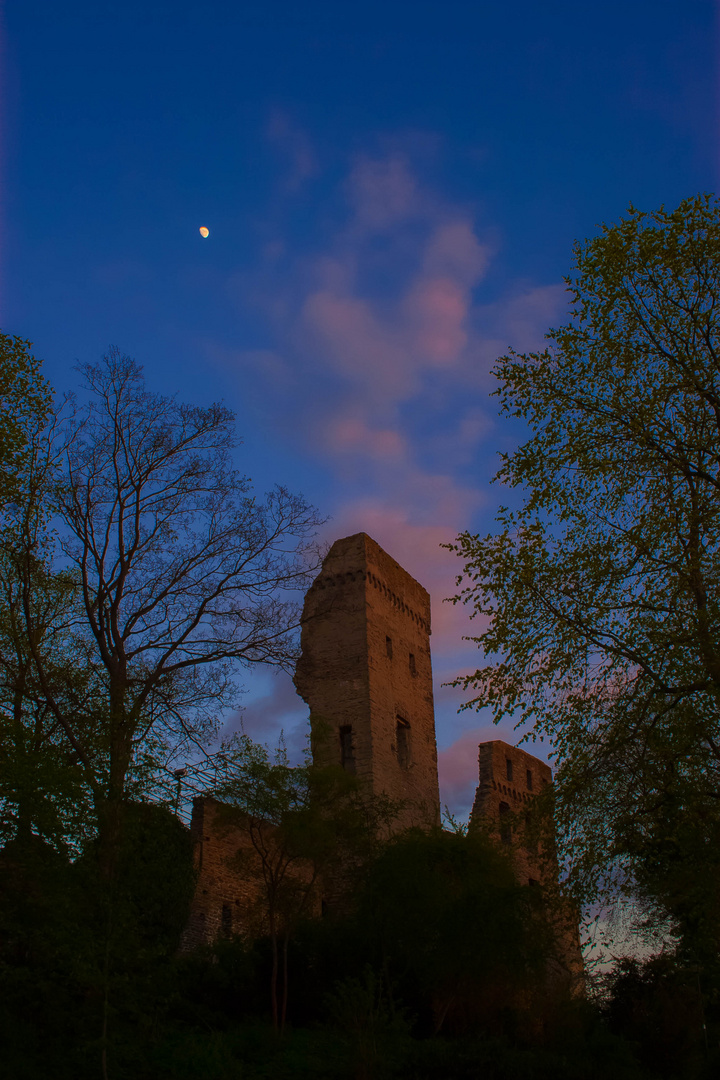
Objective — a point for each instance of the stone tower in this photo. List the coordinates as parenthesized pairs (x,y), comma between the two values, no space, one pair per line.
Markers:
(510,779)
(366,676)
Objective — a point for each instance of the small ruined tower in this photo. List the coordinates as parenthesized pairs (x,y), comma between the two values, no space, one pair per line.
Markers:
(366,676)
(510,779)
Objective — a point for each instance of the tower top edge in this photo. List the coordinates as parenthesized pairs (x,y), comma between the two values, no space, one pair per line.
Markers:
(491,747)
(361,552)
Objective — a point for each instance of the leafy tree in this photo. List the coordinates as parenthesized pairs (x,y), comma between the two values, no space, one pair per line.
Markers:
(30,758)
(25,399)
(668,1013)
(600,591)
(310,829)
(136,573)
(42,789)
(451,927)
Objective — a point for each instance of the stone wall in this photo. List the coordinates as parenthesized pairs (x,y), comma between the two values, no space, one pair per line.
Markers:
(230,894)
(510,779)
(365,673)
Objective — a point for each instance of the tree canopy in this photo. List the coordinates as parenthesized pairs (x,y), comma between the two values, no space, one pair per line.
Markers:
(25,401)
(138,570)
(599,591)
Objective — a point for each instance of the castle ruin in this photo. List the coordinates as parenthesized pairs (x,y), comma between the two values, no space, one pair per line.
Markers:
(365,674)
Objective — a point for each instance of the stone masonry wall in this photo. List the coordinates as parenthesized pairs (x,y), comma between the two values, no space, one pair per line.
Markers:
(365,673)
(510,779)
(230,896)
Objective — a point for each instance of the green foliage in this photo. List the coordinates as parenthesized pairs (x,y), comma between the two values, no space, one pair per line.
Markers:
(305,826)
(669,1009)
(601,589)
(375,1029)
(67,940)
(451,926)
(25,400)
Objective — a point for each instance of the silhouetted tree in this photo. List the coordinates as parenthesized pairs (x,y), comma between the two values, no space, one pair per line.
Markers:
(452,928)
(602,590)
(182,575)
(310,829)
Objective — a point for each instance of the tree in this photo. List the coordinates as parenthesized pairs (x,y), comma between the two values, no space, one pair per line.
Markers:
(451,926)
(600,591)
(308,828)
(181,574)
(42,790)
(25,399)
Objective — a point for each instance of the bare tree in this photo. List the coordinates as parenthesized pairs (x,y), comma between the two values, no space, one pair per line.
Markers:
(182,575)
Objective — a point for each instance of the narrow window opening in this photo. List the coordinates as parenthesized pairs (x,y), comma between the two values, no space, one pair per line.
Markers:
(388,647)
(323,907)
(402,739)
(505,825)
(508,769)
(347,750)
(529,781)
(226,921)
(413,670)
(530,842)
(533,881)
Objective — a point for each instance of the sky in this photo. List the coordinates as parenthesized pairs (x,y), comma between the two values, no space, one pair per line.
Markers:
(392,192)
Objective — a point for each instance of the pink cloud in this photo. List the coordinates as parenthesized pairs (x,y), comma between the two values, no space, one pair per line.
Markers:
(387,355)
(413,529)
(526,316)
(385,343)
(351,434)
(455,251)
(354,342)
(437,309)
(458,768)
(383,192)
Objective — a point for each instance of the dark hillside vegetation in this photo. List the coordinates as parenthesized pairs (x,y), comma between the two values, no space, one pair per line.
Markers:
(437,971)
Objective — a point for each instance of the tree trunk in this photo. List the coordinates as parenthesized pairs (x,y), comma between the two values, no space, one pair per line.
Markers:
(274,972)
(283,1014)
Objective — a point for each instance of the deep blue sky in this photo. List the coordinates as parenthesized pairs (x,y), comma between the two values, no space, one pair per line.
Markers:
(392,192)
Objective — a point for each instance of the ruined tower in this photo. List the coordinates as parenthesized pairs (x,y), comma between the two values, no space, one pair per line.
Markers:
(510,781)
(365,674)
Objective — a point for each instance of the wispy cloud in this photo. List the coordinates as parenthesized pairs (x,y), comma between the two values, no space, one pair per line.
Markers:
(376,367)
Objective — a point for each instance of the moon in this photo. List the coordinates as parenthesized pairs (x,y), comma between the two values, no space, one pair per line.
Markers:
(204,231)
